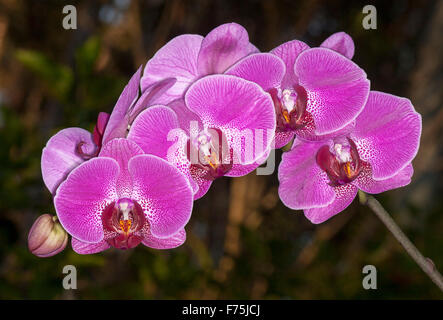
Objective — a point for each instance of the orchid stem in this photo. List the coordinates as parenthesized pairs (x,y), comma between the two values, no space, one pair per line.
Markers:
(425,264)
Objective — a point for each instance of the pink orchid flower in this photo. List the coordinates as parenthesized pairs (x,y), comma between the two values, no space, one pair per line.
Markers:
(374,155)
(189,57)
(223,110)
(315,91)
(122,198)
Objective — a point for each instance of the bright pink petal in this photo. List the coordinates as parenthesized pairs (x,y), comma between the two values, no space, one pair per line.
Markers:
(265,69)
(156,130)
(303,184)
(283,138)
(387,134)
(122,150)
(343,197)
(151,128)
(60,156)
(289,52)
(82,197)
(240,108)
(165,243)
(242,170)
(196,176)
(118,121)
(369,185)
(340,42)
(203,187)
(177,59)
(81,247)
(188,120)
(223,47)
(307,133)
(153,95)
(337,88)
(99,129)
(102,121)
(163,192)
(239,170)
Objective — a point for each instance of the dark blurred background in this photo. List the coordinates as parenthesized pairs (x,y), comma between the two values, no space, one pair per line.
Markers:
(242,242)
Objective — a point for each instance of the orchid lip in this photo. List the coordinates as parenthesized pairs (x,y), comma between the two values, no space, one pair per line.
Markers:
(290,107)
(123,222)
(342,164)
(209,151)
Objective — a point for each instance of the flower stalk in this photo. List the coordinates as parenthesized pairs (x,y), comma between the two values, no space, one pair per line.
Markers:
(425,264)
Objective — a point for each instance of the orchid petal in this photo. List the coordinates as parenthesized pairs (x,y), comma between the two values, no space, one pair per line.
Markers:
(307,133)
(153,95)
(369,185)
(239,108)
(203,187)
(163,192)
(177,59)
(223,47)
(265,69)
(288,52)
(303,184)
(344,195)
(171,242)
(151,128)
(387,134)
(99,129)
(82,197)
(60,156)
(242,170)
(340,42)
(81,247)
(156,130)
(283,138)
(239,170)
(337,88)
(121,150)
(188,120)
(118,121)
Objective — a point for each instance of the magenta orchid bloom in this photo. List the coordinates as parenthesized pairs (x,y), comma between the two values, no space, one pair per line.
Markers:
(315,91)
(122,198)
(189,57)
(70,147)
(207,107)
(216,115)
(374,155)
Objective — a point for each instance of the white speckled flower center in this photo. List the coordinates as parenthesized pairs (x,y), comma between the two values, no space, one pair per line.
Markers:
(341,161)
(122,223)
(208,151)
(290,107)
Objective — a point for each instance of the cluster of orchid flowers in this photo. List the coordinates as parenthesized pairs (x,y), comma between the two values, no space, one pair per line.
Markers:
(206,107)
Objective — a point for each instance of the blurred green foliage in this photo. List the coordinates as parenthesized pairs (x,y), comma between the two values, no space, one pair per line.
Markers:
(58,78)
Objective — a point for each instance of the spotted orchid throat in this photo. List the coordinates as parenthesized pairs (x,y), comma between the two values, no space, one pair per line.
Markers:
(210,152)
(290,108)
(342,163)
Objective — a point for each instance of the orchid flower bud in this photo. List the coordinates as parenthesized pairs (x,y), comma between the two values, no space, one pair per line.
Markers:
(47,237)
